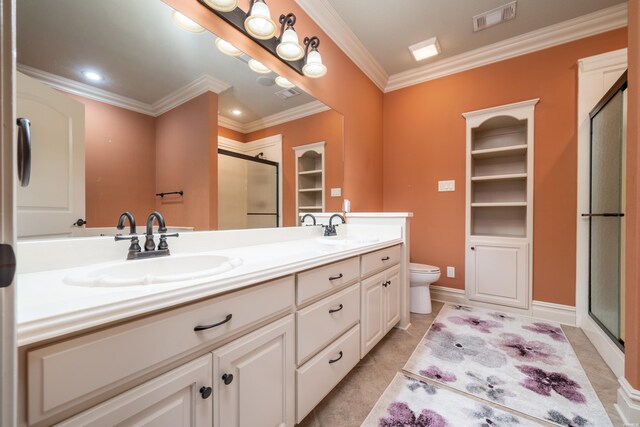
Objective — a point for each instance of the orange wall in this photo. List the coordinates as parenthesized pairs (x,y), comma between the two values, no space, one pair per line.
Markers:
(187,159)
(231,134)
(424,141)
(345,89)
(119,163)
(632,308)
(326,126)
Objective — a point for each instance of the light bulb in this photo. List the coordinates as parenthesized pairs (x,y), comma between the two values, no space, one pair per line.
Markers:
(289,48)
(283,82)
(314,67)
(259,23)
(258,67)
(186,23)
(227,48)
(222,5)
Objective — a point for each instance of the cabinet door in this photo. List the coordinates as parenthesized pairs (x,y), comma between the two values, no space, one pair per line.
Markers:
(172,399)
(254,378)
(498,273)
(392,298)
(372,308)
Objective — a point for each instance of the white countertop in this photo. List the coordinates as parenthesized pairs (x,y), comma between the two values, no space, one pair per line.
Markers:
(48,308)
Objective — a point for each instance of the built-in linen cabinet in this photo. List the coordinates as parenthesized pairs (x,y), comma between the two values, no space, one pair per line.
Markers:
(310,174)
(499,204)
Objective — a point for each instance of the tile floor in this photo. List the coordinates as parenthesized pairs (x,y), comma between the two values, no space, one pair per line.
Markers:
(350,402)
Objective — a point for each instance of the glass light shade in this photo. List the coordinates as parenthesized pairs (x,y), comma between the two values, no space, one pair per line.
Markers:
(258,67)
(186,23)
(283,82)
(289,47)
(222,5)
(314,67)
(259,23)
(227,48)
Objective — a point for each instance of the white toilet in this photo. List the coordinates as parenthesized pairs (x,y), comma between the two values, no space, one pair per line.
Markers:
(421,276)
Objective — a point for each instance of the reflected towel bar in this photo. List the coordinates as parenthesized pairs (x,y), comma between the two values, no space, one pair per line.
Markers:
(172,192)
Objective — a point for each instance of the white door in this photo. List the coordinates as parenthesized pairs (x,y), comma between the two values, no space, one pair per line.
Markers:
(498,273)
(372,306)
(179,398)
(54,199)
(392,298)
(7,214)
(253,378)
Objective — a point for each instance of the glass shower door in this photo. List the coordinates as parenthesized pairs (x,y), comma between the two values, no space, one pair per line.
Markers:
(606,214)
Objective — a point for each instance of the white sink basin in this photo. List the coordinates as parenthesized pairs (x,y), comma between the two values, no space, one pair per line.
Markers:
(173,268)
(346,241)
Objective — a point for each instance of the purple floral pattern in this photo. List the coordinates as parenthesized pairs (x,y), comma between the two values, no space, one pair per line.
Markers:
(476,323)
(546,329)
(542,382)
(488,388)
(436,374)
(437,326)
(517,347)
(456,348)
(400,415)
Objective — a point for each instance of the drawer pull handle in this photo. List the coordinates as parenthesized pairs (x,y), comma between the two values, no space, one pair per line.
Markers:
(204,327)
(335,310)
(227,378)
(386,258)
(339,276)
(335,360)
(205,392)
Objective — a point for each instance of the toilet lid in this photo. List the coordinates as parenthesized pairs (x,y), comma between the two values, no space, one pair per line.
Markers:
(423,268)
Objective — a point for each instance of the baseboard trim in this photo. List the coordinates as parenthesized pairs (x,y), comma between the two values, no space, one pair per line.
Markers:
(444,294)
(560,313)
(628,405)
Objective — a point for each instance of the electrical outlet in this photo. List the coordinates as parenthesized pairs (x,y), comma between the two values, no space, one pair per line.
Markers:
(447,185)
(336,192)
(451,272)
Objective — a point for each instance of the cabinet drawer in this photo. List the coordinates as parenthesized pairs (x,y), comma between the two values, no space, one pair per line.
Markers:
(322,373)
(379,260)
(64,375)
(327,278)
(325,320)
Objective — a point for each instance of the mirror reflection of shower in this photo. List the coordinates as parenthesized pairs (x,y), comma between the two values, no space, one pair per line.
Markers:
(247,191)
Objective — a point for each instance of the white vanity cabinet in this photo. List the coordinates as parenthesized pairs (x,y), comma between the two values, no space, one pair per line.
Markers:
(179,398)
(380,307)
(253,378)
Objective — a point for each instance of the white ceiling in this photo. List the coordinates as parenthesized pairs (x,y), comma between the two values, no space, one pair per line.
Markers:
(141,52)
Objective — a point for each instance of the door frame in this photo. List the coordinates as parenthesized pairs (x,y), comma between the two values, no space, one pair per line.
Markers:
(593,74)
(8,356)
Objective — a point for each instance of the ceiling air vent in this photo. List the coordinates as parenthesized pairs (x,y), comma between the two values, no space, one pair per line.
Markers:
(494,16)
(288,93)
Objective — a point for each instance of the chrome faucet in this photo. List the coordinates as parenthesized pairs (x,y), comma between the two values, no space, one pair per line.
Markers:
(330,230)
(134,248)
(305,217)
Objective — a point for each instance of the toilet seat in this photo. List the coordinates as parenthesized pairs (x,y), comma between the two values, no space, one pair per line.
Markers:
(423,268)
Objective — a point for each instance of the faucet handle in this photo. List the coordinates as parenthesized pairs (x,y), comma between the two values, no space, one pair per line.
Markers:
(135,245)
(163,240)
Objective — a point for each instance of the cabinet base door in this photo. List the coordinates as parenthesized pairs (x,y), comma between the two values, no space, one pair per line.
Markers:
(254,383)
(392,298)
(498,273)
(372,309)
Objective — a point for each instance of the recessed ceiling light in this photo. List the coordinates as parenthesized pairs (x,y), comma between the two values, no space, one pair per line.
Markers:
(186,23)
(258,67)
(93,76)
(283,82)
(227,48)
(236,112)
(425,49)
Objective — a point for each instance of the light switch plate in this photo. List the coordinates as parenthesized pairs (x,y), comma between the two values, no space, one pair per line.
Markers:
(451,272)
(336,192)
(447,185)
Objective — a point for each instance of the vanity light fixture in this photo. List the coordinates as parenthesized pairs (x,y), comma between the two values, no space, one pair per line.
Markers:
(93,76)
(283,82)
(258,67)
(186,23)
(222,5)
(289,48)
(258,22)
(313,66)
(425,49)
(227,48)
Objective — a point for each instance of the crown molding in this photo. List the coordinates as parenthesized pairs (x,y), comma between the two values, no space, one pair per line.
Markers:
(543,38)
(501,108)
(228,123)
(202,84)
(603,61)
(285,116)
(334,26)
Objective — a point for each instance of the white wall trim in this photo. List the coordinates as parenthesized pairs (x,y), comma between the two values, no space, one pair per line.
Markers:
(543,38)
(231,145)
(500,109)
(559,313)
(334,26)
(604,61)
(203,84)
(228,123)
(628,405)
(450,295)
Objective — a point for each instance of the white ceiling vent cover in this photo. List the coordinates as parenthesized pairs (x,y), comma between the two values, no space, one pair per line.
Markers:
(288,93)
(494,16)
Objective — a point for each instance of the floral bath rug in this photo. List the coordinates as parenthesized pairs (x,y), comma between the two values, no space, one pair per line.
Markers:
(411,403)
(521,363)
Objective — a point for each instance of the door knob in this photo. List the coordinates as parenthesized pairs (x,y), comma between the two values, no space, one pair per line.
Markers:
(79,223)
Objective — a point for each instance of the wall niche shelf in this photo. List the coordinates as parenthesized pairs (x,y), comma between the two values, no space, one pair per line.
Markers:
(499,201)
(310,173)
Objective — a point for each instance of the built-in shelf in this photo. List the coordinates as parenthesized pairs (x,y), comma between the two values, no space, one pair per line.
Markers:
(307,190)
(500,151)
(504,177)
(313,172)
(310,177)
(498,204)
(311,207)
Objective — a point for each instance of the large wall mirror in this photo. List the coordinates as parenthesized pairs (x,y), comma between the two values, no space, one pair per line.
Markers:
(133,107)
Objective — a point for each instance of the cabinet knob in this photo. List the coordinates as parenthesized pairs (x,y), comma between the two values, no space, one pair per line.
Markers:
(227,378)
(205,392)
(473,248)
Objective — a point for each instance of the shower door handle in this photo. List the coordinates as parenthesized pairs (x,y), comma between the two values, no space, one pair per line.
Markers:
(609,214)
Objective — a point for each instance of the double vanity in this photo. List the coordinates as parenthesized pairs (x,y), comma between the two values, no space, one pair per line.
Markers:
(237,328)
